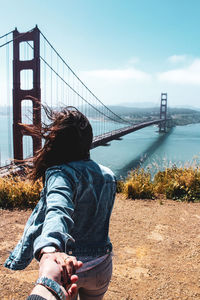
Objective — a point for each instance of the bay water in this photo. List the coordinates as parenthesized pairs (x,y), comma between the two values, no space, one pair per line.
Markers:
(145,148)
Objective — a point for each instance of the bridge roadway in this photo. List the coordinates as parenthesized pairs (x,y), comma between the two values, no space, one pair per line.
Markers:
(107,137)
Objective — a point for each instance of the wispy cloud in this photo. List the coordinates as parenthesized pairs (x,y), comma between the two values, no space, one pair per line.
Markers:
(189,75)
(118,74)
(177,58)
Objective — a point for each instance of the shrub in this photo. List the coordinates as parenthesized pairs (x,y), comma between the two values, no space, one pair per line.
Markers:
(138,185)
(179,183)
(16,192)
(120,186)
(175,183)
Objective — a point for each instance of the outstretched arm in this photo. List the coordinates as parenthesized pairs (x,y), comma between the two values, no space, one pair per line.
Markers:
(58,221)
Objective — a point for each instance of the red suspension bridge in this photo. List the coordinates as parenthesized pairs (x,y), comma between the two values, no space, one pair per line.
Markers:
(31,68)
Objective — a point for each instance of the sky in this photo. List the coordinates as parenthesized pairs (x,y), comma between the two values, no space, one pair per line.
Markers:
(125,51)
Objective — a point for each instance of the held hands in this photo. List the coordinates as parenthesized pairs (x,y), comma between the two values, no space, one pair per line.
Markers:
(61,268)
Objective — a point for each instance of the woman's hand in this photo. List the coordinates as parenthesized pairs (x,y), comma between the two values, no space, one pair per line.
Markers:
(67,267)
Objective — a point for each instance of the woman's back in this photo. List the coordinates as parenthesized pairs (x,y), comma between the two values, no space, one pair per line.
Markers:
(92,189)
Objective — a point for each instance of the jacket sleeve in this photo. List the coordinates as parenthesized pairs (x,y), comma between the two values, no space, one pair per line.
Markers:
(58,222)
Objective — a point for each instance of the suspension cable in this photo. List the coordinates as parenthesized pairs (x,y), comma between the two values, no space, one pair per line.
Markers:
(118,117)
(17,37)
(80,79)
(6,34)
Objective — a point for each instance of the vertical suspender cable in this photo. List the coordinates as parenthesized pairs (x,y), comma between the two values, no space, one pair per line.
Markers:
(62,83)
(44,74)
(57,97)
(51,80)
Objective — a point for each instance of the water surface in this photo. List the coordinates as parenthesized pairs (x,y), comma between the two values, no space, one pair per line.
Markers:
(148,148)
(145,148)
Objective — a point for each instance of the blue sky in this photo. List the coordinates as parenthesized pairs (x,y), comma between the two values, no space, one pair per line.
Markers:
(126,51)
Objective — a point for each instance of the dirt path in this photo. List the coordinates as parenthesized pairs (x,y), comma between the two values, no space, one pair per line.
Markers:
(157,252)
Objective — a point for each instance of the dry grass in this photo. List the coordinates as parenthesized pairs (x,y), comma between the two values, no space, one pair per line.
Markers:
(138,185)
(16,192)
(174,183)
(179,183)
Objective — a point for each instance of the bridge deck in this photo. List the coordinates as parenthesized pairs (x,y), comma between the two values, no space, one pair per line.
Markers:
(103,139)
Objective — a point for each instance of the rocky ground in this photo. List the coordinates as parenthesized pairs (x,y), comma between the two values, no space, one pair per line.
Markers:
(156,251)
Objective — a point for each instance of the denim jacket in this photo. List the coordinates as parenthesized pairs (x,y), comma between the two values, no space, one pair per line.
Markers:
(73,213)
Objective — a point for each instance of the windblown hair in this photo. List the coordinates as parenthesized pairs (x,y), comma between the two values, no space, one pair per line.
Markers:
(68,137)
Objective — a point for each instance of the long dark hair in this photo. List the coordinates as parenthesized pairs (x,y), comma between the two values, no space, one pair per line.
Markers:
(68,137)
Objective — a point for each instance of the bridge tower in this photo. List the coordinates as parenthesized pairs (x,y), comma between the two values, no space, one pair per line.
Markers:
(163,112)
(20,94)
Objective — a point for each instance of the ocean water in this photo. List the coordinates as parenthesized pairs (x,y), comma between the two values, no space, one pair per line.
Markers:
(146,148)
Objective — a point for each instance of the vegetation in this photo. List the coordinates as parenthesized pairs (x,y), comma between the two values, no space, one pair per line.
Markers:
(138,185)
(174,183)
(179,183)
(17,192)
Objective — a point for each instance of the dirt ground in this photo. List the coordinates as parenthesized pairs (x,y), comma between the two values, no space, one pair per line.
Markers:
(156,251)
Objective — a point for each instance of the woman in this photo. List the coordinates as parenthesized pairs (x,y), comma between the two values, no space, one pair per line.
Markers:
(72,216)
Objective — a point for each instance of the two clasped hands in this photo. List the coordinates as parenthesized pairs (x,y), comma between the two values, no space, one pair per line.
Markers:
(57,277)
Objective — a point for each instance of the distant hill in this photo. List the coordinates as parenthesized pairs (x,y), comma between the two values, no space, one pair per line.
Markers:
(138,104)
(123,110)
(180,116)
(172,110)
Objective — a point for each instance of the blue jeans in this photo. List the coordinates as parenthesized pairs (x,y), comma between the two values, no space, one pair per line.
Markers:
(93,284)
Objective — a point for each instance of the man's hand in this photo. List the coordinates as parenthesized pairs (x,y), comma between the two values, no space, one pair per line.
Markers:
(53,267)
(65,269)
